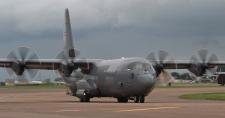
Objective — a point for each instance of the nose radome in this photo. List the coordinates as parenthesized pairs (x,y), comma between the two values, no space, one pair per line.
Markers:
(147,80)
(147,83)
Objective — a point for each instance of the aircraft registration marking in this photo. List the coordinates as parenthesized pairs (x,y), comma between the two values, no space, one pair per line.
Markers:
(145,109)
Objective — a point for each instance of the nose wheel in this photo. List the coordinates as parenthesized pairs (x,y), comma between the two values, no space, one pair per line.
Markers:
(139,99)
(85,97)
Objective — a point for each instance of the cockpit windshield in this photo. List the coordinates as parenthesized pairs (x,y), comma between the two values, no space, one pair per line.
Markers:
(141,67)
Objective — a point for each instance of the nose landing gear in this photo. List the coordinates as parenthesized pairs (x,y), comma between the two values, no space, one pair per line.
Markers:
(85,97)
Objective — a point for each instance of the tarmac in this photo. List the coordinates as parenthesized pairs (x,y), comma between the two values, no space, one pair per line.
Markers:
(162,102)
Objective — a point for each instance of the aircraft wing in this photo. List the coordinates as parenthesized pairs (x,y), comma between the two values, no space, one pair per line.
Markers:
(45,64)
(197,68)
(32,64)
(182,64)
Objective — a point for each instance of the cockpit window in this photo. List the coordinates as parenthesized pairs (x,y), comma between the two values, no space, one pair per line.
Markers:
(131,66)
(140,67)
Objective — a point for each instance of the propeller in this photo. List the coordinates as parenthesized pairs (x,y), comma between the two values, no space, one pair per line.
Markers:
(66,67)
(19,57)
(158,64)
(162,55)
(200,64)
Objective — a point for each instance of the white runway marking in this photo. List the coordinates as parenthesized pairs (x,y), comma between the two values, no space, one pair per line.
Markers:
(145,109)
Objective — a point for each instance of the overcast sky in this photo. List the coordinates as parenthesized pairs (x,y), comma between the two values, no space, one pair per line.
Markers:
(114,28)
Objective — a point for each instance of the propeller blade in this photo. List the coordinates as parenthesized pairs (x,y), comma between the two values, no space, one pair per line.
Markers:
(151,57)
(162,55)
(21,77)
(213,58)
(31,73)
(10,71)
(23,52)
(19,56)
(63,57)
(158,64)
(33,56)
(12,55)
(203,53)
(202,66)
(64,63)
(165,77)
(194,59)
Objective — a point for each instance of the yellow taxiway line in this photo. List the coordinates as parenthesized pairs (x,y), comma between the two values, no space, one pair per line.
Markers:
(145,109)
(125,110)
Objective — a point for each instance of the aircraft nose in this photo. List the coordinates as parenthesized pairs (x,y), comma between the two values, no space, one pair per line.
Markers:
(145,84)
(147,80)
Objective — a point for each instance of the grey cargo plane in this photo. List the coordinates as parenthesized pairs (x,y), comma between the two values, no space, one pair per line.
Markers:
(124,79)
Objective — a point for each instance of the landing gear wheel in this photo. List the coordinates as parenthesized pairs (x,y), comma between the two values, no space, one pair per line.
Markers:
(122,99)
(136,99)
(85,98)
(142,99)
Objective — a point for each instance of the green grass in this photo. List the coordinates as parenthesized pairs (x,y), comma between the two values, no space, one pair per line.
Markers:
(189,85)
(204,96)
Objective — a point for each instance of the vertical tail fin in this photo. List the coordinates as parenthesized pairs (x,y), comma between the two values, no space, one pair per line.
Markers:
(68,38)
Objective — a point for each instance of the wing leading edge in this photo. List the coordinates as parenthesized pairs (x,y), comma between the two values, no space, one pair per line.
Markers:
(45,64)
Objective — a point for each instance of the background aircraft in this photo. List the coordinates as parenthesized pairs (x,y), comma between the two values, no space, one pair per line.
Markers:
(124,78)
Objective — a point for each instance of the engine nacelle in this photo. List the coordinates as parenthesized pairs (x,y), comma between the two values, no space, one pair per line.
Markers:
(158,69)
(86,67)
(198,69)
(18,68)
(66,70)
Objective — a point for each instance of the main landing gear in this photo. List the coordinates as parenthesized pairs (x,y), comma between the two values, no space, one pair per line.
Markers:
(139,99)
(122,99)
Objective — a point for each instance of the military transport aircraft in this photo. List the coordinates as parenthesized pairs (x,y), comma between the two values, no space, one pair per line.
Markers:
(124,78)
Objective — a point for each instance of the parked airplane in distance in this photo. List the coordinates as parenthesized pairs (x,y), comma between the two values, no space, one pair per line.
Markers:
(124,78)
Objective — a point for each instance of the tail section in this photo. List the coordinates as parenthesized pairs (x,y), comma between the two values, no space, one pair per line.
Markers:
(68,38)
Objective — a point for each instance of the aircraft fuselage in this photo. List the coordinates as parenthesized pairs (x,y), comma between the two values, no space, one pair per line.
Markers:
(125,77)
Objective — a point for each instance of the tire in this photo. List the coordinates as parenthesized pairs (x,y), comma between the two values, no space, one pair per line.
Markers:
(137,99)
(142,99)
(85,98)
(122,99)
